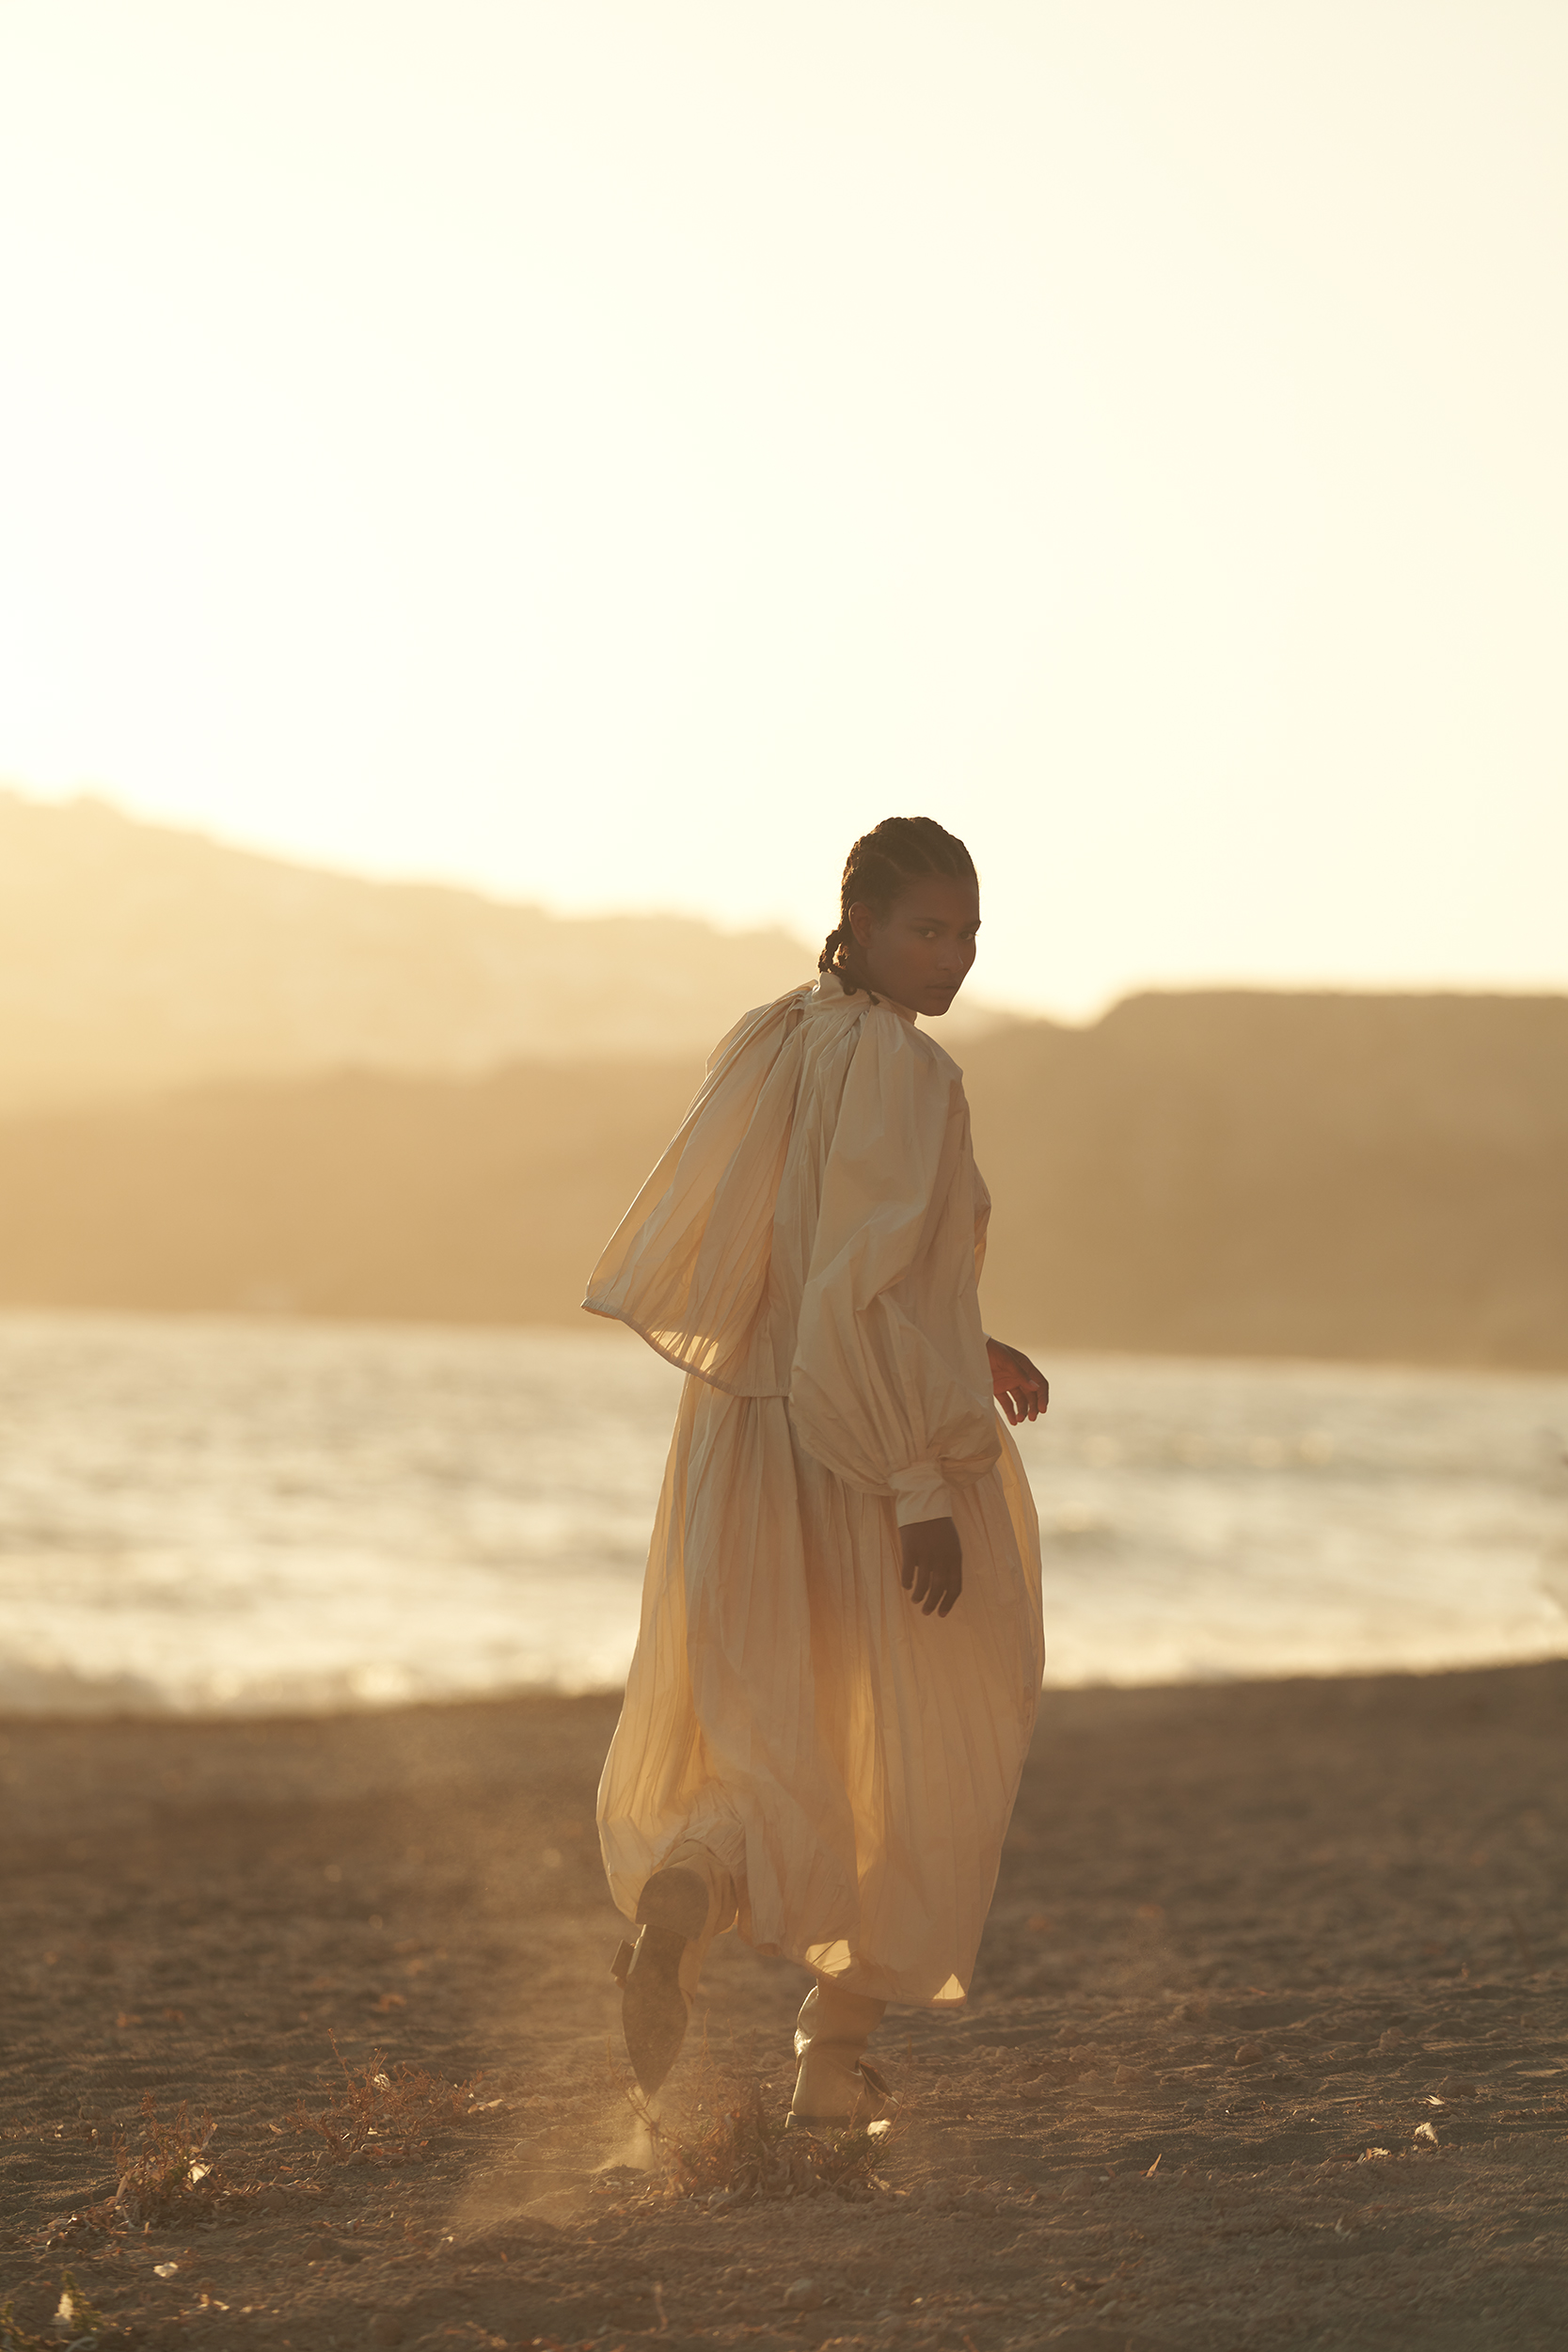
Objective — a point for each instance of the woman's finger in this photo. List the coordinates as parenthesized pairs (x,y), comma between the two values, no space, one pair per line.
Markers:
(1025,1394)
(927,1588)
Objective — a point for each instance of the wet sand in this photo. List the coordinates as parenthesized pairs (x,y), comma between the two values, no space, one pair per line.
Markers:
(1267,2043)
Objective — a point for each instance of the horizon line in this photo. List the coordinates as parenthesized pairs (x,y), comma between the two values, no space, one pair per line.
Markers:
(91,796)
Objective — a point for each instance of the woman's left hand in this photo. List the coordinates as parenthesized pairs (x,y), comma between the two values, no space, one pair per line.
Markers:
(1020,1387)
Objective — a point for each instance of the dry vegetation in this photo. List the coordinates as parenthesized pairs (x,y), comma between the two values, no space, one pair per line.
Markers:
(379,2116)
(384,2117)
(733,2151)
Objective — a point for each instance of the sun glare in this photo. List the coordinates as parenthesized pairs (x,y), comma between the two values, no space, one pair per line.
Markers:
(613,457)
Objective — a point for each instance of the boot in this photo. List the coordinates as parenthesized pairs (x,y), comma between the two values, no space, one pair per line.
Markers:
(687,1901)
(835,2090)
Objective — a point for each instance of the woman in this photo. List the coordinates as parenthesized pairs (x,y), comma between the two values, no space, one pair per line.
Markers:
(841,1646)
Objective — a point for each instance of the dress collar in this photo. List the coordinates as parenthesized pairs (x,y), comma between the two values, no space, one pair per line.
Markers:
(830,990)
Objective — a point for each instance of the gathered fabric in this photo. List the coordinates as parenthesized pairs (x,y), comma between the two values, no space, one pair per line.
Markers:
(808,1251)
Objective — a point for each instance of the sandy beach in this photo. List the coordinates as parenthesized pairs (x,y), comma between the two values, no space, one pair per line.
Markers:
(1268,2045)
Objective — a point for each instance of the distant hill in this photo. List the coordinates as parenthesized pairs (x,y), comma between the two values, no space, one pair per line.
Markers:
(1241,1172)
(1374,1177)
(134,957)
(483,1201)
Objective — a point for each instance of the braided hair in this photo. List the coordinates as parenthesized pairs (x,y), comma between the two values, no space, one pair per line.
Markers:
(879,869)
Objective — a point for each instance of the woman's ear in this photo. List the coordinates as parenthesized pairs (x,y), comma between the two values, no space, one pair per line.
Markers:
(863,922)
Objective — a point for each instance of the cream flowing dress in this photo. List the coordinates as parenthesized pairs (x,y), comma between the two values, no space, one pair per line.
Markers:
(808,1251)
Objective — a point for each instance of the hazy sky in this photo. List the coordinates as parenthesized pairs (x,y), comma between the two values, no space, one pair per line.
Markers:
(614,453)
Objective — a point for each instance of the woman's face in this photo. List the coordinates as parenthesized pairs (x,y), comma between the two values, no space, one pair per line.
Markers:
(919,951)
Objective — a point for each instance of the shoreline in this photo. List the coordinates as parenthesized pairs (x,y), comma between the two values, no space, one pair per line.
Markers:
(262,1315)
(1360,1879)
(524,1695)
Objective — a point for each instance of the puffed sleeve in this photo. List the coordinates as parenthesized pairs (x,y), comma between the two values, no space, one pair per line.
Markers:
(686,1267)
(890,1387)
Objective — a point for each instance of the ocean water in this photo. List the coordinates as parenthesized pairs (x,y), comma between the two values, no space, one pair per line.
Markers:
(209,1517)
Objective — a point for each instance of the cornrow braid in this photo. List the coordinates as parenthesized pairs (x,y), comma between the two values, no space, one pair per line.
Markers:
(880,867)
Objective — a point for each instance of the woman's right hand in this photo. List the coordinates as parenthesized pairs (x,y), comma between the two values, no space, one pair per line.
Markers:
(933,1570)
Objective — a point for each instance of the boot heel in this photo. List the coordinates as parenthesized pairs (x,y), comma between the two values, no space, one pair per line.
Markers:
(619,1967)
(676,1900)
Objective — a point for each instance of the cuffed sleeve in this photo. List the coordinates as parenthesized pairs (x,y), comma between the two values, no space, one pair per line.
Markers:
(920,1492)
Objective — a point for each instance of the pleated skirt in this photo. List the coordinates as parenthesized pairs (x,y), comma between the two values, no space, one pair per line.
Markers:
(853,1761)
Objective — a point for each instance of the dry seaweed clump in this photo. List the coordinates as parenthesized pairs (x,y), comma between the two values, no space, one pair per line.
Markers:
(77,2321)
(170,2179)
(743,2156)
(172,2176)
(382,2114)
